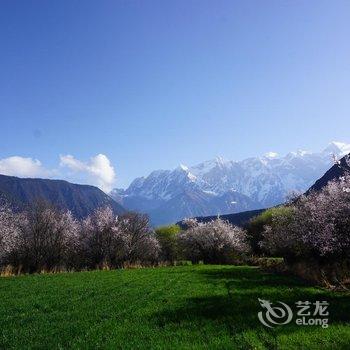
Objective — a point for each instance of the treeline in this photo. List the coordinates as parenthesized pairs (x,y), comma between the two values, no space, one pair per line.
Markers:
(43,238)
(311,233)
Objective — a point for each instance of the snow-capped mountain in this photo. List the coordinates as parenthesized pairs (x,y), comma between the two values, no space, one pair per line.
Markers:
(222,186)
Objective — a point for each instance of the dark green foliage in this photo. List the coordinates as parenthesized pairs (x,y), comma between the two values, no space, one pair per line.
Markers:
(190,307)
(183,263)
(167,238)
(255,227)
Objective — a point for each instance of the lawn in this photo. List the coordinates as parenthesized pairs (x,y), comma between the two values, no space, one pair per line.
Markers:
(192,307)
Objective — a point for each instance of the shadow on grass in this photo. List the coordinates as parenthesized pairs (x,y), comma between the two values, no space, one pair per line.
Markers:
(237,308)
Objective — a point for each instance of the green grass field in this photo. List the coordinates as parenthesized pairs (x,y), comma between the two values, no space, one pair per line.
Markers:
(192,307)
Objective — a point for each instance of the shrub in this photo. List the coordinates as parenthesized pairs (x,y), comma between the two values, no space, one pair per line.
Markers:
(275,241)
(167,238)
(316,232)
(183,263)
(256,227)
(317,225)
(213,242)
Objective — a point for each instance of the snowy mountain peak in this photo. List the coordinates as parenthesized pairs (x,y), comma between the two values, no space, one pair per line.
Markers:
(211,187)
(220,160)
(300,153)
(337,148)
(207,166)
(182,167)
(271,155)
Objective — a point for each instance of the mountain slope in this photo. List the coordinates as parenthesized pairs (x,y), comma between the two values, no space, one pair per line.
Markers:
(238,219)
(81,200)
(198,203)
(335,172)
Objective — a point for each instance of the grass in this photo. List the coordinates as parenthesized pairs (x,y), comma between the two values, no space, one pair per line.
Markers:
(185,307)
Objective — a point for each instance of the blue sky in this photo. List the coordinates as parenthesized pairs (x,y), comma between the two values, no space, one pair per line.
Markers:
(151,84)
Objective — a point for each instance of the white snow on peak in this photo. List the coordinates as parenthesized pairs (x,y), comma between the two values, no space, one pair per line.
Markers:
(343,148)
(298,153)
(191,177)
(186,170)
(183,167)
(265,180)
(271,155)
(302,153)
(220,160)
(210,192)
(206,166)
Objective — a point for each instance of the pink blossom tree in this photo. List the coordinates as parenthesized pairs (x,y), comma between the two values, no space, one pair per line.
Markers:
(318,227)
(9,233)
(214,242)
(107,239)
(99,238)
(139,243)
(45,237)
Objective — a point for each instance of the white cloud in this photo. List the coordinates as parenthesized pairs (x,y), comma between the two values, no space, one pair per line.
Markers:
(98,170)
(23,167)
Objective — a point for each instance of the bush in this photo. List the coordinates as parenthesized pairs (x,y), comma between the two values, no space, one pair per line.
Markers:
(183,263)
(317,225)
(213,242)
(316,230)
(256,227)
(167,238)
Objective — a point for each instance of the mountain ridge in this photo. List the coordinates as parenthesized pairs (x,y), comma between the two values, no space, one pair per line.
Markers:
(202,189)
(81,200)
(339,169)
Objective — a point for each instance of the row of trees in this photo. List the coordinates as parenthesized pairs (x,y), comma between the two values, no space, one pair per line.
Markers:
(44,238)
(313,230)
